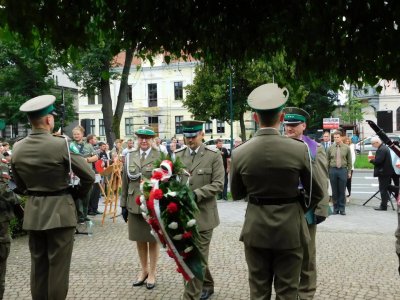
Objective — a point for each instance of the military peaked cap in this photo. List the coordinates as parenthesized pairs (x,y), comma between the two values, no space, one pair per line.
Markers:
(39,106)
(295,115)
(145,131)
(191,128)
(268,97)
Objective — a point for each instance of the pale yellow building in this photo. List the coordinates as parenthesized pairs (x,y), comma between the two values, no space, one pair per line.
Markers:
(155,95)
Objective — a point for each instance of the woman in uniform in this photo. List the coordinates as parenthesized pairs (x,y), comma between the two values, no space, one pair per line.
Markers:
(139,165)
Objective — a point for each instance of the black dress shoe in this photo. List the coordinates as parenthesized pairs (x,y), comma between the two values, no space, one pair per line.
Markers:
(206,294)
(140,282)
(343,213)
(380,208)
(98,212)
(150,286)
(336,212)
(91,213)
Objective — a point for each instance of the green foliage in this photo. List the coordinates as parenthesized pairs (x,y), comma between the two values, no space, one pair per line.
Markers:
(322,37)
(353,111)
(24,74)
(362,162)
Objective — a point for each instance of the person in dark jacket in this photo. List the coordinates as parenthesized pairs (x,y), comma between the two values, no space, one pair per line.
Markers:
(383,169)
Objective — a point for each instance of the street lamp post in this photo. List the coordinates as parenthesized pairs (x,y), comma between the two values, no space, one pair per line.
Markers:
(231,104)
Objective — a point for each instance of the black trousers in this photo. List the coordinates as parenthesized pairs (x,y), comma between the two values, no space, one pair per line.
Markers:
(384,182)
(94,198)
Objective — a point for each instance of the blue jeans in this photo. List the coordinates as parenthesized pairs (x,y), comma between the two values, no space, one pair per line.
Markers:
(338,178)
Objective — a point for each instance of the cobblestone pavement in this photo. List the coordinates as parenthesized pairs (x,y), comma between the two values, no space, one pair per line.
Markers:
(356,260)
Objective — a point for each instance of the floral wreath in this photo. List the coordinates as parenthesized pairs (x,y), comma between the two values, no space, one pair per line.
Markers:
(168,206)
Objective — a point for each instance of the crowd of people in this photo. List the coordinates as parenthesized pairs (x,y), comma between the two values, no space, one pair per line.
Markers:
(287,180)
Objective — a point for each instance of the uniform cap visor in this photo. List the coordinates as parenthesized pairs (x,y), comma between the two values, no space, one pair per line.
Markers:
(191,134)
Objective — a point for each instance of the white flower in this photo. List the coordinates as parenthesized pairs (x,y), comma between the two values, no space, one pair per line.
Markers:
(188,249)
(173,225)
(172,194)
(191,223)
(143,207)
(142,199)
(177,237)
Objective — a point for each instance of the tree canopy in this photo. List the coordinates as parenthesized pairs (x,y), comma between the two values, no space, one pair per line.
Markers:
(24,74)
(356,40)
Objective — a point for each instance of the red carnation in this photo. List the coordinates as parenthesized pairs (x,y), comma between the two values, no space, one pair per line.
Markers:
(138,200)
(172,207)
(187,235)
(150,204)
(158,194)
(153,222)
(157,175)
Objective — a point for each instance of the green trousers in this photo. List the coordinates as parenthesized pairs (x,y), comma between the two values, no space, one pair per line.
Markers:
(194,287)
(278,266)
(4,252)
(51,252)
(308,275)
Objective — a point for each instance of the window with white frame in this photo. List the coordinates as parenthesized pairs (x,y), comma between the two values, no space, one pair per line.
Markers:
(152,94)
(208,127)
(220,126)
(128,126)
(129,96)
(178,90)
(178,124)
(102,128)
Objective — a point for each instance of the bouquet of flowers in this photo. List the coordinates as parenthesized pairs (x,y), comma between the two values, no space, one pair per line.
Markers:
(169,206)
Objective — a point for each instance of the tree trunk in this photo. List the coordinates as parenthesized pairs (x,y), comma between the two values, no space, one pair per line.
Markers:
(242,127)
(122,94)
(107,106)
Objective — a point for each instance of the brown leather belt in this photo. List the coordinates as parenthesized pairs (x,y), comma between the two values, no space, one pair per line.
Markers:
(260,200)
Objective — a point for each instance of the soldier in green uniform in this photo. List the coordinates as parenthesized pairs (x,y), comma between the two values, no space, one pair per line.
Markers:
(140,164)
(41,166)
(295,124)
(7,202)
(206,180)
(266,170)
(79,146)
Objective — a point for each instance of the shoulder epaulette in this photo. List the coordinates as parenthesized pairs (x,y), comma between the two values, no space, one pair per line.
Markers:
(211,149)
(180,149)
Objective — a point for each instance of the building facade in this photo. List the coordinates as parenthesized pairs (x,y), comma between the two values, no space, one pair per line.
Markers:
(154,97)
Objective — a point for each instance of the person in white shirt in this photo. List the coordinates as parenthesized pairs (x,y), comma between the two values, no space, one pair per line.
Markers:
(160,147)
(348,142)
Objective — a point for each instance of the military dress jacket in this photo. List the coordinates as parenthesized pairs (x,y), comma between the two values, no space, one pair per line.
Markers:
(40,163)
(130,186)
(270,166)
(206,181)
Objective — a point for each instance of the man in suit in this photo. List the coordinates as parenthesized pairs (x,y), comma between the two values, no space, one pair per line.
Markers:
(326,140)
(295,124)
(206,180)
(50,214)
(266,171)
(383,169)
(139,164)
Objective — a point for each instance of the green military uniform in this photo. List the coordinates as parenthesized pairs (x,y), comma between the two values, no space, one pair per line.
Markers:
(308,278)
(7,202)
(266,170)
(86,150)
(135,169)
(40,165)
(206,181)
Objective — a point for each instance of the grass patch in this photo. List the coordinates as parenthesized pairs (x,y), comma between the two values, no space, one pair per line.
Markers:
(362,162)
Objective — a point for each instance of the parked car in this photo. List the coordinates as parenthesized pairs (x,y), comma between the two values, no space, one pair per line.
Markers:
(365,145)
(212,143)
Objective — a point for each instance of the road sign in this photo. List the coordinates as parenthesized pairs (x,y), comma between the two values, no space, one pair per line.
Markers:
(330,123)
